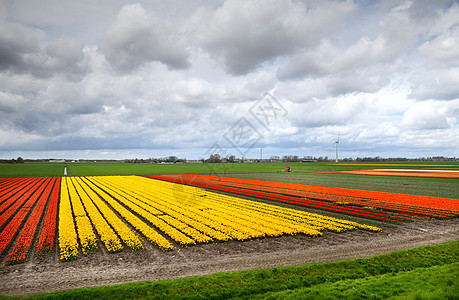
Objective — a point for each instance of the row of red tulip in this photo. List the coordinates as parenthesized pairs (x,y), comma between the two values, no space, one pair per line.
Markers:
(22,208)
(413,205)
(416,200)
(23,244)
(322,205)
(48,233)
(14,199)
(423,205)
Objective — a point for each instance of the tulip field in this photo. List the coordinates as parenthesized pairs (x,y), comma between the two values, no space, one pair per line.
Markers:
(116,212)
(76,216)
(18,196)
(328,198)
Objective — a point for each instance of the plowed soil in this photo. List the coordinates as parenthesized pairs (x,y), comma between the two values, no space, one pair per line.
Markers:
(48,274)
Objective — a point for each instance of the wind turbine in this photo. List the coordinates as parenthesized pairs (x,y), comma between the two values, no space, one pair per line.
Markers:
(336,143)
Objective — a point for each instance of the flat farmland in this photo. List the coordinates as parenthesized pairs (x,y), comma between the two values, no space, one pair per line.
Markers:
(427,186)
(40,169)
(59,233)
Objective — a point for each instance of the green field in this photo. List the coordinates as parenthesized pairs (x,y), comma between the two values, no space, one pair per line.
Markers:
(36,169)
(435,187)
(423,273)
(429,272)
(32,170)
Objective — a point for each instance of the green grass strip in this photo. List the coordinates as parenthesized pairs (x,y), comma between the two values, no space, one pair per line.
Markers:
(438,282)
(298,279)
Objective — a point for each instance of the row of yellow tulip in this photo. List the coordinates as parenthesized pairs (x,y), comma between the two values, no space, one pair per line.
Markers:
(123,231)
(273,216)
(185,214)
(320,222)
(150,214)
(243,227)
(106,233)
(193,210)
(157,196)
(68,243)
(88,239)
(151,235)
(274,226)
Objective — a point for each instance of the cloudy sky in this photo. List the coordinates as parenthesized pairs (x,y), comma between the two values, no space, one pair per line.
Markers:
(121,79)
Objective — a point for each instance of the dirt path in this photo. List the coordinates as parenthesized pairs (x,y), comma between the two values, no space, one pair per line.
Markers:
(99,268)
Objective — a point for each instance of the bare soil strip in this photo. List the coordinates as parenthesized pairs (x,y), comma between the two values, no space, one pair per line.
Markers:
(48,274)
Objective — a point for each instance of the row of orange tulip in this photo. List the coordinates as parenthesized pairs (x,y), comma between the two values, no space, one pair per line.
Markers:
(410,204)
(24,242)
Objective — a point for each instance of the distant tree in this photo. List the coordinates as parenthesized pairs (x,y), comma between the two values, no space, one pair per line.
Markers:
(290,158)
(20,160)
(214,158)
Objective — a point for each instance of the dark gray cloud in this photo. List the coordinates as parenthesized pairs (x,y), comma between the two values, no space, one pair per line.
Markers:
(330,57)
(242,35)
(15,42)
(138,37)
(23,50)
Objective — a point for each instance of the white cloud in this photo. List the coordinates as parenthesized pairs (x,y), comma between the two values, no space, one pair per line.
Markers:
(174,77)
(443,49)
(332,111)
(425,116)
(441,84)
(444,20)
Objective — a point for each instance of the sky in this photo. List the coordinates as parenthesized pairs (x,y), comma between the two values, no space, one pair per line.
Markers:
(114,79)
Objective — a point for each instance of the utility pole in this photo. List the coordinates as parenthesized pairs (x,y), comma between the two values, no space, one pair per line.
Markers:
(261,155)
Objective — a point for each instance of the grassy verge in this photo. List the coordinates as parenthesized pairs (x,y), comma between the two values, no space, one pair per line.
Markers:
(438,282)
(424,272)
